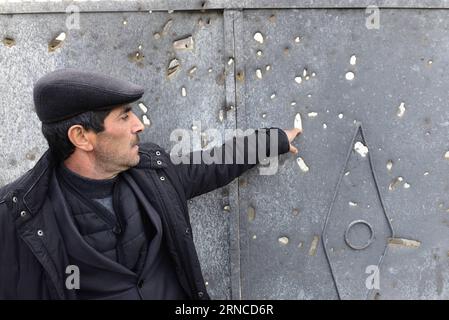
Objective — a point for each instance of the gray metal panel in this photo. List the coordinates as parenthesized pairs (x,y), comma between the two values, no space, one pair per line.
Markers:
(406,60)
(105,44)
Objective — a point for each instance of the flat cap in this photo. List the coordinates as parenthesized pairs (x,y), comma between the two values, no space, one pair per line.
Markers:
(65,93)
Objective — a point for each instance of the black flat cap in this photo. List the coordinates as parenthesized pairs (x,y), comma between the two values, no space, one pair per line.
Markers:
(65,93)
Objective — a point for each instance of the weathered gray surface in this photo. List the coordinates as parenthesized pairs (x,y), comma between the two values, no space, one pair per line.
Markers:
(392,67)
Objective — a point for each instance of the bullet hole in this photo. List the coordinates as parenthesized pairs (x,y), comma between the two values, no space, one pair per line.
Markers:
(298,79)
(192,71)
(389,165)
(258,37)
(57,42)
(309,96)
(259,74)
(283,241)
(406,185)
(302,165)
(272,18)
(146,121)
(264,115)
(9,42)
(157,35)
(293,103)
(404,242)
(183,92)
(324,126)
(136,57)
(273,96)
(353,204)
(209,70)
(429,62)
(286,50)
(173,68)
(353,60)
(347,173)
(295,212)
(267,68)
(243,182)
(166,27)
(125,22)
(254,237)
(313,74)
(230,61)
(143,107)
(361,149)
(426,173)
(314,246)
(30,156)
(259,53)
(401,110)
(297,39)
(395,183)
(251,214)
(349,75)
(204,140)
(304,72)
(240,76)
(340,116)
(312,114)
(184,44)
(298,122)
(194,127)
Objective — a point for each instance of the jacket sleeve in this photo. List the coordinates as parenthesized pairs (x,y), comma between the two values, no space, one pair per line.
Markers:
(199,177)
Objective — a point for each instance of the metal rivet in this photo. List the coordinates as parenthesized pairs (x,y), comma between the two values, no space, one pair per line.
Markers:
(14,199)
(162,178)
(40,233)
(159,162)
(23,213)
(158,153)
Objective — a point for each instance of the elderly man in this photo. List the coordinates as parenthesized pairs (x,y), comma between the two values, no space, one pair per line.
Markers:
(103,207)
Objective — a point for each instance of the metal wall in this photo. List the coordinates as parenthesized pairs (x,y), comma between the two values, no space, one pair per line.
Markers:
(276,236)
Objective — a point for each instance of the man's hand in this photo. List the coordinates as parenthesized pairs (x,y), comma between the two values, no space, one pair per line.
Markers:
(291,135)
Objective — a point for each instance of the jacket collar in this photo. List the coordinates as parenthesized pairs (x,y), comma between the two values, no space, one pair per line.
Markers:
(34,184)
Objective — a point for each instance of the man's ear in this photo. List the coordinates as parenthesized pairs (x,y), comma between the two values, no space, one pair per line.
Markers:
(81,138)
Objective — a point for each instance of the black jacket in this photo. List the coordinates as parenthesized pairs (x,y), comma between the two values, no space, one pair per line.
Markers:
(33,257)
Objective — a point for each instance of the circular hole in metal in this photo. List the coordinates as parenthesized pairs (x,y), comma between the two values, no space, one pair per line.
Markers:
(357,230)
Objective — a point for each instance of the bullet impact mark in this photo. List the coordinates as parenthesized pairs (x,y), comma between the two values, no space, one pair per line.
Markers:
(349,76)
(258,37)
(314,246)
(283,241)
(56,42)
(184,44)
(361,149)
(404,242)
(302,165)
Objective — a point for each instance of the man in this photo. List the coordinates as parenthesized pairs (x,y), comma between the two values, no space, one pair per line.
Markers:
(100,206)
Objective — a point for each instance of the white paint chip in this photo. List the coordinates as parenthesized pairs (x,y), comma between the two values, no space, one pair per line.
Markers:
(312,114)
(340,116)
(230,61)
(353,204)
(273,96)
(389,165)
(401,110)
(353,60)
(361,149)
(259,74)
(145,120)
(298,79)
(324,126)
(349,75)
(302,165)
(297,39)
(446,155)
(143,107)
(298,122)
(283,241)
(183,92)
(258,37)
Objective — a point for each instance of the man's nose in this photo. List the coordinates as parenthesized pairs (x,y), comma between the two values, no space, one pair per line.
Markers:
(138,126)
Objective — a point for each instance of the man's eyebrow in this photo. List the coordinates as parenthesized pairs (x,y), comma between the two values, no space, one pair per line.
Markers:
(125,110)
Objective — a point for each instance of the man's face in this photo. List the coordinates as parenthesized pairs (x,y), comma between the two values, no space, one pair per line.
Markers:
(116,147)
